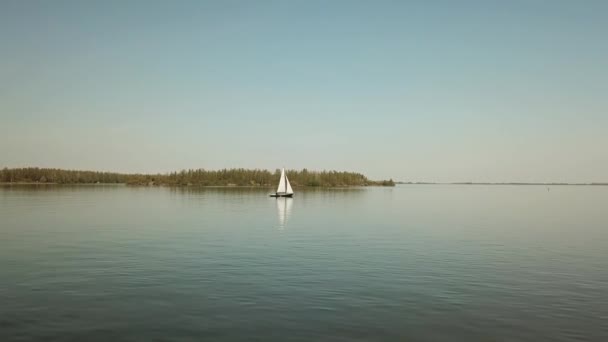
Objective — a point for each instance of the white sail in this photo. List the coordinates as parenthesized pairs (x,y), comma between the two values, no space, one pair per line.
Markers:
(282,187)
(289,189)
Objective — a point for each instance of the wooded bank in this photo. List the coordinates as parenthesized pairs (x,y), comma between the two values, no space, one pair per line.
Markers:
(199,177)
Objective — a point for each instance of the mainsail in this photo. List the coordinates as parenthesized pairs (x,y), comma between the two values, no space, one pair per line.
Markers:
(282,187)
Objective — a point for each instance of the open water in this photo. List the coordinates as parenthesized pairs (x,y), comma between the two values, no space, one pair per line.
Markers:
(414,262)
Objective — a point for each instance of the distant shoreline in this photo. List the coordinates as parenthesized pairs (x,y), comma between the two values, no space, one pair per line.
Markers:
(189,186)
(225,178)
(304,186)
(259,178)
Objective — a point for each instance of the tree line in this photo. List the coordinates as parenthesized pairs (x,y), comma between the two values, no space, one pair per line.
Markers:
(199,177)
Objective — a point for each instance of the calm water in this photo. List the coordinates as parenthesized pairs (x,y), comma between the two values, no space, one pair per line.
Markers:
(416,263)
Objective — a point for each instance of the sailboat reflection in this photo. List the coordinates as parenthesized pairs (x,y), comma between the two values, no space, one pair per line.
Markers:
(284,210)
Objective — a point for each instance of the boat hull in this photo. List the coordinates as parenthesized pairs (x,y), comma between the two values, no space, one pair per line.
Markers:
(281,195)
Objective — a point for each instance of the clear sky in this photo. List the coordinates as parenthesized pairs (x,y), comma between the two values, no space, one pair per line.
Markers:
(420,91)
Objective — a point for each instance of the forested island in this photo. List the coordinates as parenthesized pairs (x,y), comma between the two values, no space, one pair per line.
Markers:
(198,177)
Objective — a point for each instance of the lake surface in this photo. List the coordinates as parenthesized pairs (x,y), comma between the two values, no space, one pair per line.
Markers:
(414,262)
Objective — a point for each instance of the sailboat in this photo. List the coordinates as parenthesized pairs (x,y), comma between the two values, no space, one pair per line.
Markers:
(284,189)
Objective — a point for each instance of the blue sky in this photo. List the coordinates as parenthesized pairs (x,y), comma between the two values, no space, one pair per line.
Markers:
(421,91)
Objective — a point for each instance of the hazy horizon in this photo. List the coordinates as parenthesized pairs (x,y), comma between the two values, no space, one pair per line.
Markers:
(440,92)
